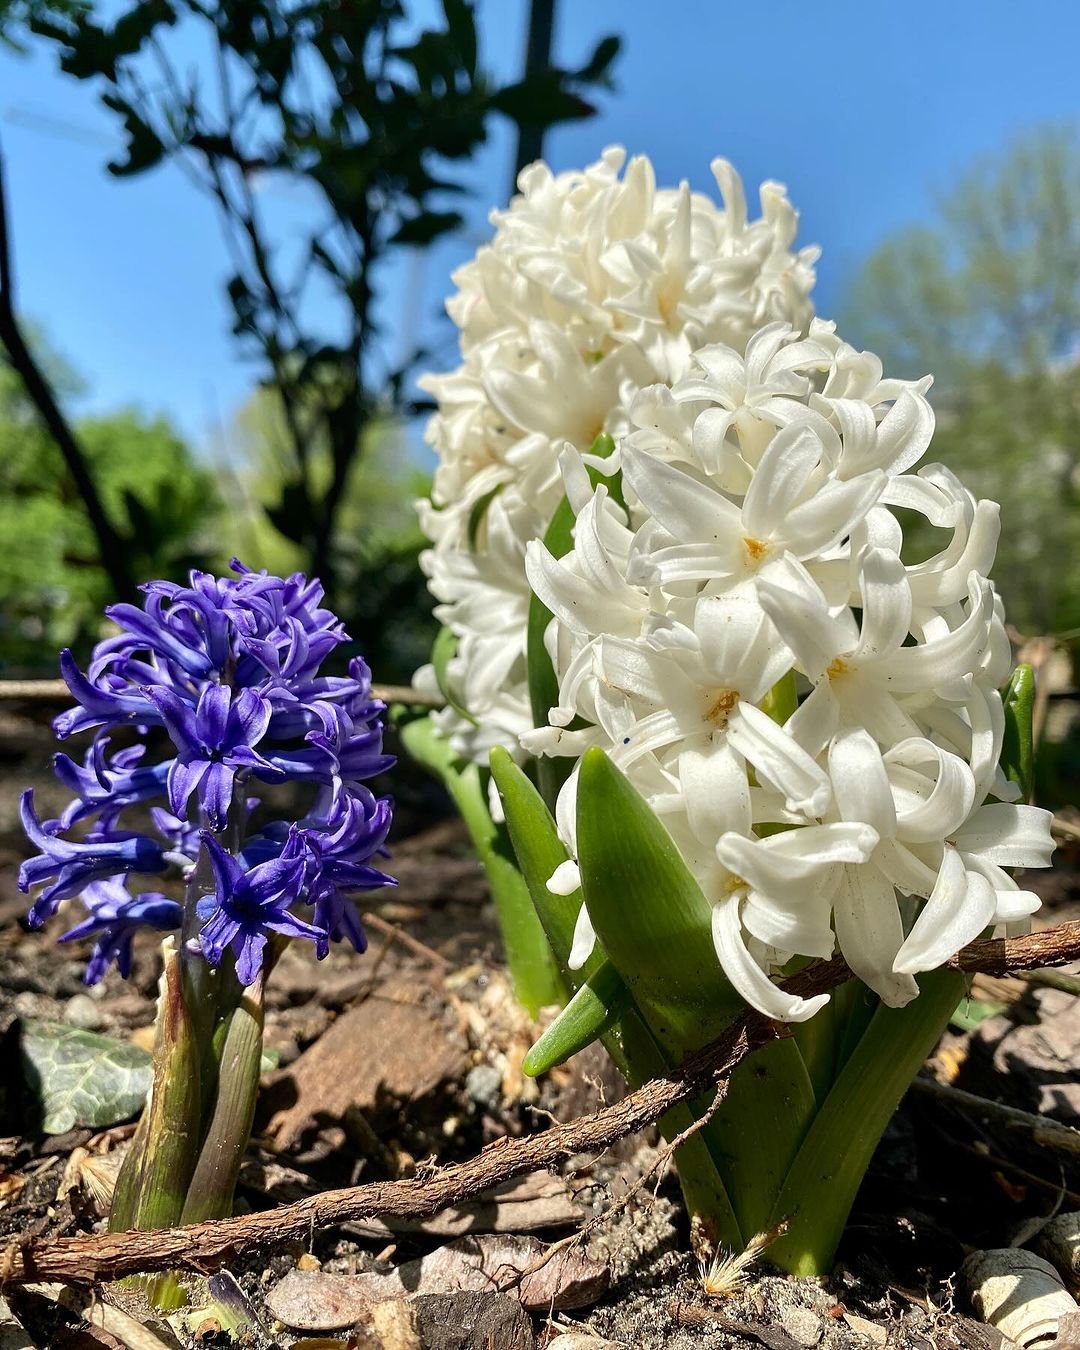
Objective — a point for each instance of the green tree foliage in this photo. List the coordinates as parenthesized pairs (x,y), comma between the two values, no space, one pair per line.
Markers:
(987,298)
(52,589)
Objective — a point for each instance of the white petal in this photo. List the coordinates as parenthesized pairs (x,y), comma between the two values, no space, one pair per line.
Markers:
(1010,836)
(782,475)
(566,879)
(870,933)
(960,906)
(716,791)
(779,760)
(746,975)
(934,790)
(584,940)
(831,513)
(859,780)
(886,605)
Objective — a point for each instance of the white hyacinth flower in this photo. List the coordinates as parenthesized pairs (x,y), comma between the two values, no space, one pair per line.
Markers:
(596,285)
(760,541)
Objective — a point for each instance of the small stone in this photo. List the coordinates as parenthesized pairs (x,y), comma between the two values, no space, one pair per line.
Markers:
(309,1262)
(874,1332)
(483,1083)
(472,1321)
(82,1012)
(802,1325)
(312,1300)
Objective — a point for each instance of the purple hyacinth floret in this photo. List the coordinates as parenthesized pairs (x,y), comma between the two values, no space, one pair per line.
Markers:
(208,692)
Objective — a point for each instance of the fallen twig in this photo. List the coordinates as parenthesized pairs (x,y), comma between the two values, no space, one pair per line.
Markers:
(1038,1130)
(56,691)
(205,1246)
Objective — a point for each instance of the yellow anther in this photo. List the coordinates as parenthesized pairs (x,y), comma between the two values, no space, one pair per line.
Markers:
(721,707)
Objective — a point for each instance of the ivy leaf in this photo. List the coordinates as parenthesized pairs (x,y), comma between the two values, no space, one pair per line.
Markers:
(81,1078)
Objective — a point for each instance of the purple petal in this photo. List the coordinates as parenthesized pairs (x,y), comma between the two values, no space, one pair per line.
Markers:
(252,714)
(216,794)
(212,715)
(184,777)
(179,718)
(249,959)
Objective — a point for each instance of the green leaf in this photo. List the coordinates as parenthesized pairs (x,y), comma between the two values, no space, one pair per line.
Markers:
(820,1187)
(602,1007)
(1018,742)
(593,1011)
(648,910)
(82,1078)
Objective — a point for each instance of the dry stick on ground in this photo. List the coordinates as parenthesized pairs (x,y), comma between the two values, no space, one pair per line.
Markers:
(204,1246)
(56,691)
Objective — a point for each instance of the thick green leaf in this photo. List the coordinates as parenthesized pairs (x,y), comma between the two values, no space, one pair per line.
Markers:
(81,1078)
(593,1011)
(1018,743)
(539,851)
(602,1007)
(648,910)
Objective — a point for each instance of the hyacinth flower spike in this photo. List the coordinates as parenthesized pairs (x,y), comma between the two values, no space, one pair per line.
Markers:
(229,669)
(764,736)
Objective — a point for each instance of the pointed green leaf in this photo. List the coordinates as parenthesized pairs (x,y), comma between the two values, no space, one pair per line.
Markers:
(629,1040)
(596,1007)
(539,851)
(647,909)
(1018,743)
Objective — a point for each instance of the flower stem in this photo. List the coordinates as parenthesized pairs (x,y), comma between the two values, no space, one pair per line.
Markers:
(153,1181)
(210,1192)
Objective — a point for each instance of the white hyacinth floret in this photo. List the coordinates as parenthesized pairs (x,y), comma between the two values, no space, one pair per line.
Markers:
(763,461)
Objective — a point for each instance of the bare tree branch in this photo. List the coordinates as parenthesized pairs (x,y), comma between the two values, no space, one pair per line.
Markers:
(111,546)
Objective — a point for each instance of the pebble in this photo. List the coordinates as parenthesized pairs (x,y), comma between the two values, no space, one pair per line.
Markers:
(312,1300)
(83,1012)
(483,1083)
(802,1325)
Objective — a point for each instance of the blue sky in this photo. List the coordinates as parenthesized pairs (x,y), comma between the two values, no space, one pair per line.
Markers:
(865,111)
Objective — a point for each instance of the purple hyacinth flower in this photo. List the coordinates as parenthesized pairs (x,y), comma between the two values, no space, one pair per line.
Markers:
(74,865)
(114,916)
(214,741)
(250,903)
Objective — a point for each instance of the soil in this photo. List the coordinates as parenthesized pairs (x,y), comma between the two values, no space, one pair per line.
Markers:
(368,1105)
